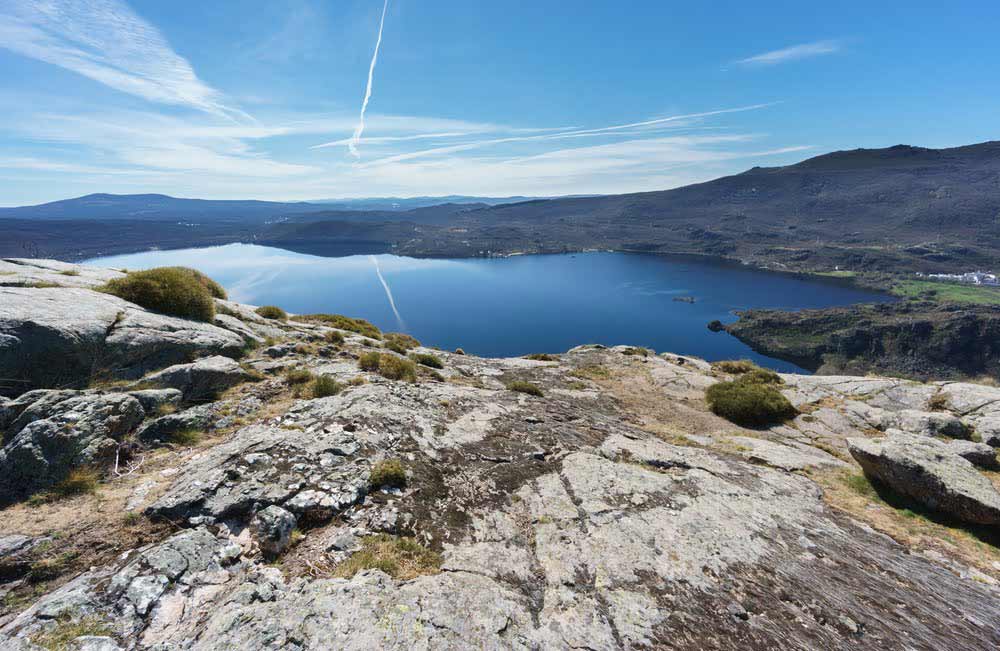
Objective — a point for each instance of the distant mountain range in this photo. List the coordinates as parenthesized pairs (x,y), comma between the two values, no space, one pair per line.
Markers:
(161,206)
(900,208)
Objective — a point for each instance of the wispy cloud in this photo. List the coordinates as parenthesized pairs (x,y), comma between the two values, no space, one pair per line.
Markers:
(106,41)
(792,53)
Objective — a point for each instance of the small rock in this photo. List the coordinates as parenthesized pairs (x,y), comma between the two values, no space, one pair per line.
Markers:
(272,528)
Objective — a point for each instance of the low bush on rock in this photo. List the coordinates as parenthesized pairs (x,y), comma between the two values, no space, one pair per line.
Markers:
(388,473)
(400,558)
(342,322)
(334,337)
(593,372)
(175,291)
(186,437)
(298,376)
(388,366)
(63,634)
(752,400)
(399,342)
(272,312)
(325,386)
(525,387)
(426,359)
(542,357)
(734,366)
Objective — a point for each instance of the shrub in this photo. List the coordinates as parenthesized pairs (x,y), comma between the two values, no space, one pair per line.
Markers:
(298,376)
(400,558)
(324,386)
(169,290)
(186,437)
(77,482)
(388,366)
(761,376)
(592,372)
(633,350)
(749,403)
(525,387)
(459,351)
(214,288)
(542,357)
(69,272)
(426,359)
(334,337)
(388,473)
(397,368)
(399,342)
(272,312)
(369,361)
(938,402)
(342,322)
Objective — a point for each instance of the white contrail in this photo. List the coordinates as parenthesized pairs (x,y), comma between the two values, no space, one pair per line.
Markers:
(358,130)
(388,292)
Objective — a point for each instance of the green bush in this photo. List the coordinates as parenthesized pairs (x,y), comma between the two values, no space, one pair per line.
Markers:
(389,473)
(399,342)
(749,402)
(542,357)
(388,366)
(426,359)
(342,322)
(525,387)
(734,366)
(334,337)
(176,291)
(324,386)
(369,361)
(214,288)
(272,312)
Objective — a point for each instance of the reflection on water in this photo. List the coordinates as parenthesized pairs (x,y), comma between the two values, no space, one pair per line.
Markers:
(517,305)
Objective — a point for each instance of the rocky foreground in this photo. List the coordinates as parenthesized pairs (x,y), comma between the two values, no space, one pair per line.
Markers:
(233,509)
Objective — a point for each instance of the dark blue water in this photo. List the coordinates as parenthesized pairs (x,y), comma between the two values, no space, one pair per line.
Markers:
(518,305)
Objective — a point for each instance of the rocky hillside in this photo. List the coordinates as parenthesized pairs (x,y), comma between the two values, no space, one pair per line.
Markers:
(310,483)
(912,339)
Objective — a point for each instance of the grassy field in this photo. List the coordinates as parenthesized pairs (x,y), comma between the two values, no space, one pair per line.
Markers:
(947,292)
(837,274)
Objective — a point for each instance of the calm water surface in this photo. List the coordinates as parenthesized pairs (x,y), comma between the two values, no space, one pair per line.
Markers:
(518,305)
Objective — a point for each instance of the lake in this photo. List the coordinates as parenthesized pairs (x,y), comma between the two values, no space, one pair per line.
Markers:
(516,305)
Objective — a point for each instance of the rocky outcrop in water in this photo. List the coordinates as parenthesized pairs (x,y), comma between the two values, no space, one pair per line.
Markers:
(607,509)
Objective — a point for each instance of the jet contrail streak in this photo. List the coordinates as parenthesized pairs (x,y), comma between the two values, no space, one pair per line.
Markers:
(388,292)
(360,129)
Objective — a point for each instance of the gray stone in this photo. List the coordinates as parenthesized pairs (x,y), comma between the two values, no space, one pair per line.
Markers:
(201,380)
(272,528)
(154,401)
(94,643)
(161,429)
(64,337)
(930,472)
(979,454)
(60,431)
(931,423)
(988,429)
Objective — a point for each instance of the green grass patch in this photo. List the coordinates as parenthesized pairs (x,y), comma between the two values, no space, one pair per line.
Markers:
(79,481)
(272,312)
(388,474)
(324,386)
(334,337)
(636,351)
(751,401)
(399,342)
(836,274)
(186,437)
(61,636)
(521,386)
(342,322)
(542,357)
(593,372)
(945,292)
(400,558)
(176,291)
(47,569)
(426,359)
(859,484)
(388,366)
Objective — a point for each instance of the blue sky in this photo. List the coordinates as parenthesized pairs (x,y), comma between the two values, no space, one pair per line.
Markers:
(255,99)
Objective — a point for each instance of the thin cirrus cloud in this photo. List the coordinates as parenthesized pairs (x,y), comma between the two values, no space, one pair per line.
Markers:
(793,53)
(106,41)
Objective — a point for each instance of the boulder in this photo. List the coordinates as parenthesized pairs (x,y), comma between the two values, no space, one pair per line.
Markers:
(25,272)
(58,431)
(272,529)
(200,380)
(930,472)
(163,428)
(157,400)
(978,454)
(931,423)
(65,337)
(988,429)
